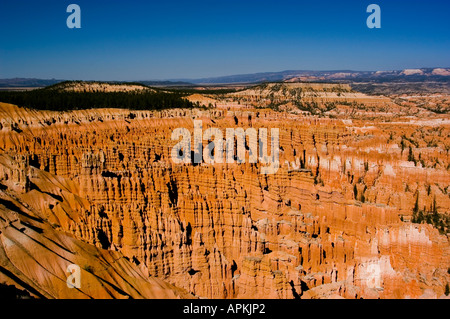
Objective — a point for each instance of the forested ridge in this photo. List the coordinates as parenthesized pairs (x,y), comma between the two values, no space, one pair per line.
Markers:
(60,100)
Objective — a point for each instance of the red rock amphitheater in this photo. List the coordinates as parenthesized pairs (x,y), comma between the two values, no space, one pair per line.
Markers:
(98,188)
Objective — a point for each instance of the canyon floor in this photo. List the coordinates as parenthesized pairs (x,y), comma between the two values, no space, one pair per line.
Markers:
(359,208)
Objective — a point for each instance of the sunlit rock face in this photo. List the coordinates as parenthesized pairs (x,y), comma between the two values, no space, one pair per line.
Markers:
(334,221)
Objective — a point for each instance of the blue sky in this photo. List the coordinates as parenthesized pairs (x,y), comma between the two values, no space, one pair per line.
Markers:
(146,40)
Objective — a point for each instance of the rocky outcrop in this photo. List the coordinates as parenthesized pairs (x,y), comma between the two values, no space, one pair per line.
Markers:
(326,225)
(332,100)
(35,252)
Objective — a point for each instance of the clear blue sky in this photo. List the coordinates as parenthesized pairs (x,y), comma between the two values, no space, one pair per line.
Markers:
(144,40)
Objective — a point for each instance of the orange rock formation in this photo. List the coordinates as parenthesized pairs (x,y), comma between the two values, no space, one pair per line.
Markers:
(98,188)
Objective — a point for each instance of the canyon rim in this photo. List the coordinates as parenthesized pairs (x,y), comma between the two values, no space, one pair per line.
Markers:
(357,209)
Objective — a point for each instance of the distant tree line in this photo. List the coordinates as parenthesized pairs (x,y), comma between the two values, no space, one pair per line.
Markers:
(45,99)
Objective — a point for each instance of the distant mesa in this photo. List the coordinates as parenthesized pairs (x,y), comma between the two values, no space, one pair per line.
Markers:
(439,74)
(408,75)
(443,72)
(412,72)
